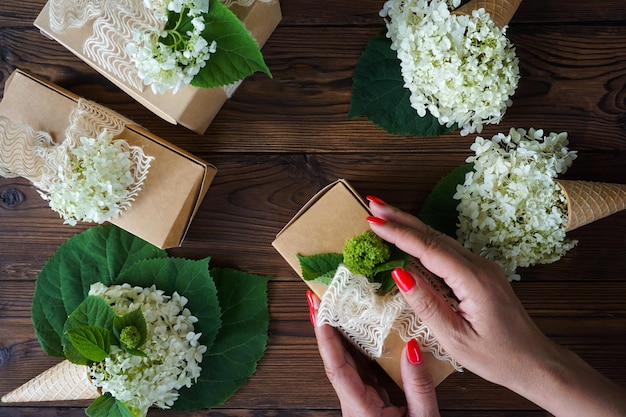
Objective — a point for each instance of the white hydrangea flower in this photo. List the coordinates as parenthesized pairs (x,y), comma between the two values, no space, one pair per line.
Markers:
(511,209)
(172,346)
(93,181)
(462,69)
(167,59)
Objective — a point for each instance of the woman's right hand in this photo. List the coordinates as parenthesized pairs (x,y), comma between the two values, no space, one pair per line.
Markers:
(490,333)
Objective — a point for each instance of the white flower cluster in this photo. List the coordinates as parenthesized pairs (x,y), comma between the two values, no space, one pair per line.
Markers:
(511,209)
(166,58)
(462,69)
(172,347)
(93,179)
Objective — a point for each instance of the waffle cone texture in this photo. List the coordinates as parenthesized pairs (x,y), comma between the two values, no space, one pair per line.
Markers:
(64,381)
(501,11)
(589,201)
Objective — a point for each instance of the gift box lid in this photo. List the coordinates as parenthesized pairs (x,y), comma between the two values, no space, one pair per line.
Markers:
(176,183)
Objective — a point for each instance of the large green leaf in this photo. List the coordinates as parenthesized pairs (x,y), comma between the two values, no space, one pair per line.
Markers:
(439,209)
(314,266)
(97,254)
(240,343)
(378,93)
(237,56)
(107,406)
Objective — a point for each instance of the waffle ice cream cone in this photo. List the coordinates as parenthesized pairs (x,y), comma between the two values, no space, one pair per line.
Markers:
(501,11)
(64,381)
(589,201)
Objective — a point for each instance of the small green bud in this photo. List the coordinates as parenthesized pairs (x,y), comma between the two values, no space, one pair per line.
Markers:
(362,253)
(130,337)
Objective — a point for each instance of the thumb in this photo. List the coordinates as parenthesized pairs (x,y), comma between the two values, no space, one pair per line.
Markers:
(418,384)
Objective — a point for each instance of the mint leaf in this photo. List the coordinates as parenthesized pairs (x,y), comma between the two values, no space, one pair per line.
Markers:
(378,93)
(240,343)
(439,209)
(97,254)
(107,406)
(92,343)
(314,266)
(133,319)
(237,56)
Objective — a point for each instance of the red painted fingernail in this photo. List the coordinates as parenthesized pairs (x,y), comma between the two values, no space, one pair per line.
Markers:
(376,200)
(404,280)
(413,352)
(312,316)
(375,220)
(309,298)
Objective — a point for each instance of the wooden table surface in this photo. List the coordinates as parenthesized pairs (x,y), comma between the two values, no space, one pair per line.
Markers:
(278,141)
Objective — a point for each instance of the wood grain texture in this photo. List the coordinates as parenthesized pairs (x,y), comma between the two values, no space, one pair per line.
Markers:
(278,141)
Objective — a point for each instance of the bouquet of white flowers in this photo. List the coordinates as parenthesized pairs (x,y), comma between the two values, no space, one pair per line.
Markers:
(456,67)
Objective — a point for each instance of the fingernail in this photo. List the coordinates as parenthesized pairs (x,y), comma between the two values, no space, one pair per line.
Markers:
(309,299)
(312,316)
(413,352)
(375,220)
(404,280)
(376,200)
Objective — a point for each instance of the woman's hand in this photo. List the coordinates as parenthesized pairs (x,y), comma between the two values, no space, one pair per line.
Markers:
(490,333)
(358,393)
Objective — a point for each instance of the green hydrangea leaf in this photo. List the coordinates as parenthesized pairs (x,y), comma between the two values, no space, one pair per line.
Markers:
(439,209)
(315,266)
(240,343)
(93,311)
(97,254)
(92,343)
(378,93)
(237,56)
(107,406)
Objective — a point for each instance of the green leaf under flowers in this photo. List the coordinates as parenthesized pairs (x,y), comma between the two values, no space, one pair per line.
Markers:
(135,319)
(439,210)
(237,55)
(107,406)
(318,265)
(97,254)
(240,342)
(378,93)
(93,343)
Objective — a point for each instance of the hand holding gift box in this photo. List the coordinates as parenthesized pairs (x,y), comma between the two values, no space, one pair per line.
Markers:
(322,226)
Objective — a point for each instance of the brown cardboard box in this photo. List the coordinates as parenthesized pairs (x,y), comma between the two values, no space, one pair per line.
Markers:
(192,107)
(177,181)
(332,216)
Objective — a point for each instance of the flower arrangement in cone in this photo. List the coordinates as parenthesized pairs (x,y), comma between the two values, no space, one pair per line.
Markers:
(138,328)
(509,206)
(437,69)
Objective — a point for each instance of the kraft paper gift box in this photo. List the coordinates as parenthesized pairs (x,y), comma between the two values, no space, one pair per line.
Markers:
(332,216)
(176,182)
(192,107)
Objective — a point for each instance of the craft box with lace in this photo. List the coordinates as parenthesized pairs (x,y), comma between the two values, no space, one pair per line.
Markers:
(334,215)
(100,31)
(37,117)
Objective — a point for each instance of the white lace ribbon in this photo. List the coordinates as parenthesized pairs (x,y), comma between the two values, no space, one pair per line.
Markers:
(34,155)
(114,26)
(351,303)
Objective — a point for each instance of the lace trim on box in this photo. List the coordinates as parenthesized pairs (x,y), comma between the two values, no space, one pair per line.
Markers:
(35,156)
(351,303)
(115,23)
